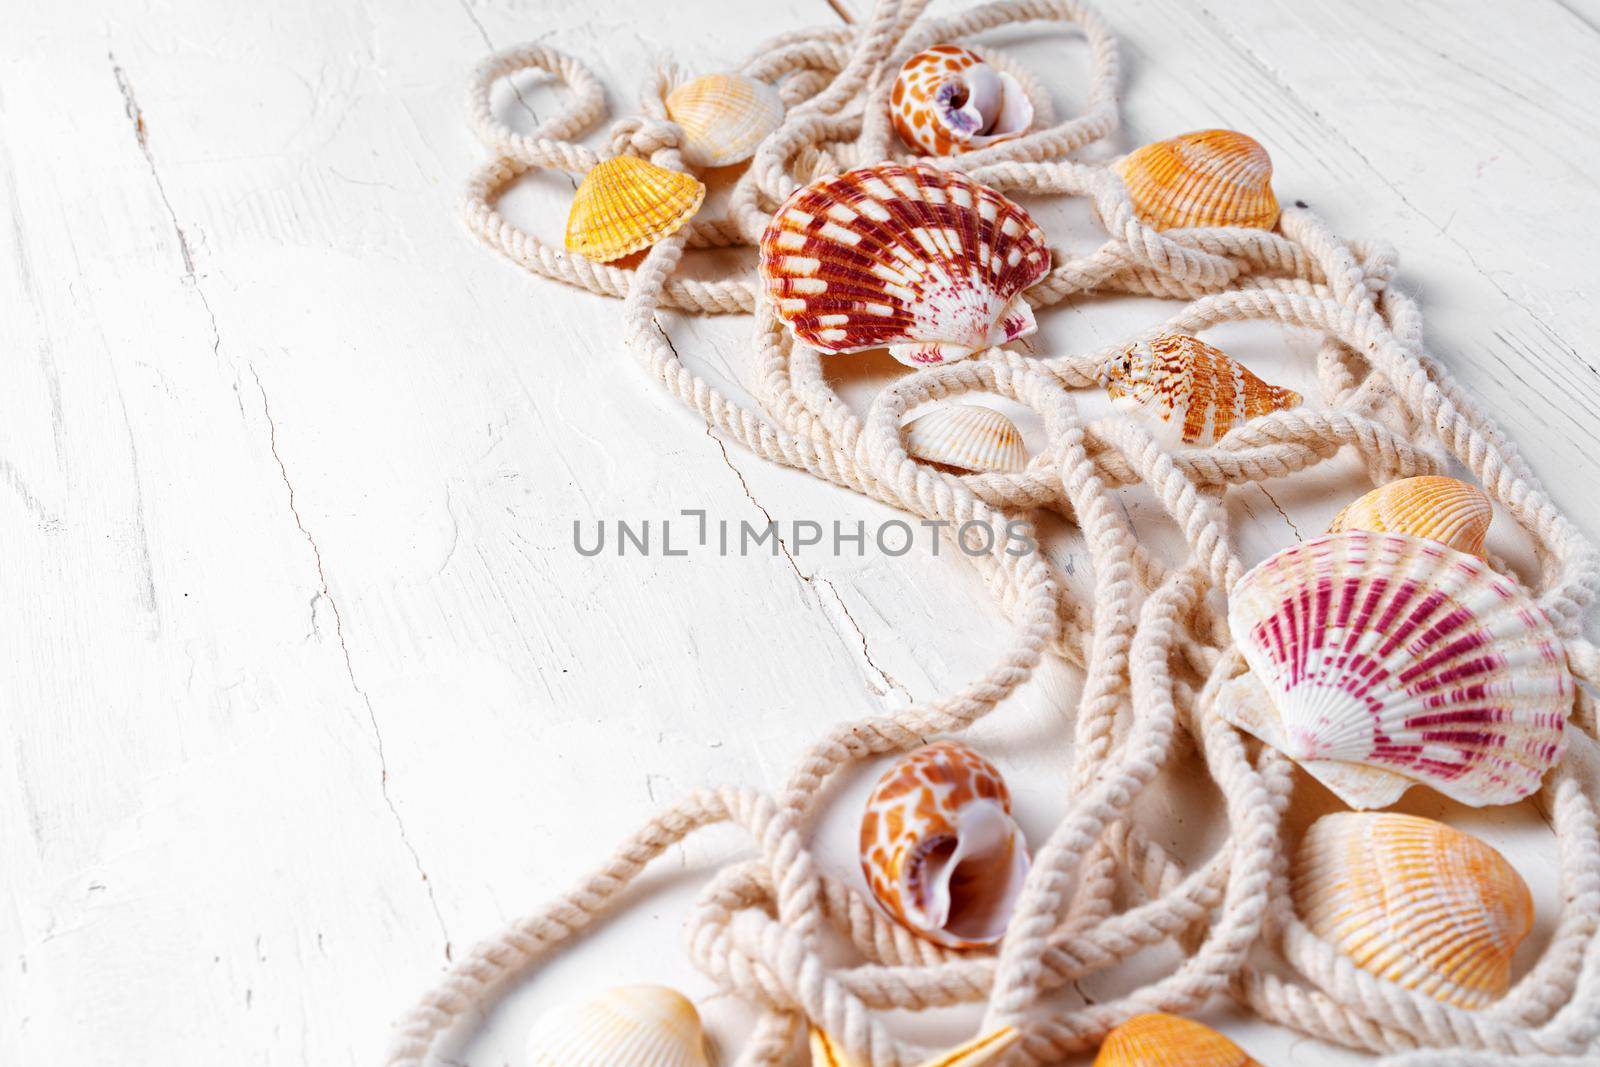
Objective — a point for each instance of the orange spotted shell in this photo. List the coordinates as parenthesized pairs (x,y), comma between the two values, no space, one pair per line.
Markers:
(947,100)
(925,262)
(1196,391)
(1206,178)
(939,848)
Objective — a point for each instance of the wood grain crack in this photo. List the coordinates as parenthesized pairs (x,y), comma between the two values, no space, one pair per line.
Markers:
(344,647)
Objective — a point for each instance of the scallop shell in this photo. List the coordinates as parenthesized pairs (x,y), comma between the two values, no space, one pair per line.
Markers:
(947,100)
(1196,391)
(641,1026)
(926,262)
(1160,1040)
(1390,660)
(980,1050)
(625,204)
(724,117)
(1415,902)
(966,437)
(1205,178)
(939,847)
(1438,508)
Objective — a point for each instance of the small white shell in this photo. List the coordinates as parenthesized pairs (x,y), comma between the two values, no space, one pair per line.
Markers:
(724,117)
(967,437)
(640,1026)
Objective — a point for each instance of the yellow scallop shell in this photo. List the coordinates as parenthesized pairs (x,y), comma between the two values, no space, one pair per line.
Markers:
(1160,1040)
(626,204)
(724,117)
(1205,178)
(1435,507)
(1414,901)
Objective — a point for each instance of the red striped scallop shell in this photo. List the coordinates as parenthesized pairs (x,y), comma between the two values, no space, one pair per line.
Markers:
(925,262)
(1391,660)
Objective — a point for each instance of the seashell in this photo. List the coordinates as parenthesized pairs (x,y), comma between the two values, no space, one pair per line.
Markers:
(926,262)
(1390,660)
(1415,902)
(1196,391)
(966,437)
(641,1026)
(1161,1040)
(625,204)
(980,1050)
(1438,508)
(1205,178)
(724,117)
(947,100)
(939,847)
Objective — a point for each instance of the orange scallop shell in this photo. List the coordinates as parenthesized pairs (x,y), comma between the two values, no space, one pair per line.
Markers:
(1206,178)
(625,204)
(1432,506)
(1414,901)
(1160,1040)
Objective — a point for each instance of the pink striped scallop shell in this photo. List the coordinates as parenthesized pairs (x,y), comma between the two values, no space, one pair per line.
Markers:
(1389,660)
(925,262)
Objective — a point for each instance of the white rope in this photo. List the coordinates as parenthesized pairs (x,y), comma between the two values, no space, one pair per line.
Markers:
(1152,641)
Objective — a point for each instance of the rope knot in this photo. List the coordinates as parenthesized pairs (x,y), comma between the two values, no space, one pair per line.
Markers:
(641,135)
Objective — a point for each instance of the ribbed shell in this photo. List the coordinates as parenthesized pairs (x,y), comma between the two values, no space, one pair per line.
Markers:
(967,437)
(926,262)
(1432,506)
(641,1026)
(1160,1040)
(1406,656)
(1205,178)
(1197,392)
(947,100)
(1415,902)
(625,204)
(724,117)
(825,1052)
(939,848)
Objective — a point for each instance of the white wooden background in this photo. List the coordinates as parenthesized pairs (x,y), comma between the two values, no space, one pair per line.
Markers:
(305,687)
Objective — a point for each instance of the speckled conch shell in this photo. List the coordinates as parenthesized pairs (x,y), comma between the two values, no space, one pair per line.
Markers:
(625,204)
(1432,506)
(825,1052)
(926,262)
(947,100)
(1195,391)
(641,1026)
(1205,178)
(939,847)
(724,117)
(1414,901)
(1160,1040)
(966,437)
(1390,660)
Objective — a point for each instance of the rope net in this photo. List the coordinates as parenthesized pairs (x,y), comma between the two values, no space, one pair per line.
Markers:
(1152,641)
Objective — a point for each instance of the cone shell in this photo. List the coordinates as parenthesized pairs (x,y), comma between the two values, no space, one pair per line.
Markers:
(1413,660)
(1197,392)
(1415,902)
(939,848)
(966,437)
(926,262)
(947,100)
(625,204)
(1438,508)
(1206,178)
(825,1052)
(641,1026)
(1159,1040)
(724,117)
